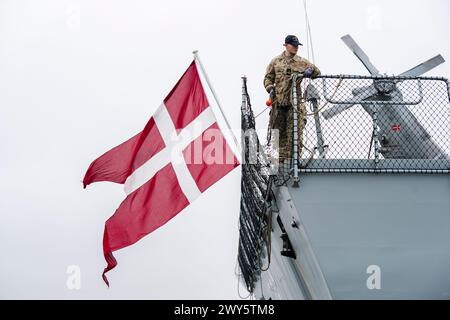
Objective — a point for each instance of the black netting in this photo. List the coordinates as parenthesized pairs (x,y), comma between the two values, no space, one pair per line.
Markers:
(255,211)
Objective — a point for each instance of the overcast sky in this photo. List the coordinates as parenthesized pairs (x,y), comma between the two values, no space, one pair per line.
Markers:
(78,77)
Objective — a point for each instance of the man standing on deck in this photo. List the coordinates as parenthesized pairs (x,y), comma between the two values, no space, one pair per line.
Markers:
(278,78)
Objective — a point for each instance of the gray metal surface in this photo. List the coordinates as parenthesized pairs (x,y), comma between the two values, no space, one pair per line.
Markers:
(287,278)
(399,222)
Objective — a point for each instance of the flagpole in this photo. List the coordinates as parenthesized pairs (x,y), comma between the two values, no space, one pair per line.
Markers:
(197,58)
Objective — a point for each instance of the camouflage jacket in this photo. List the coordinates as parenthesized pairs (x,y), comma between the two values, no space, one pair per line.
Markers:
(279,73)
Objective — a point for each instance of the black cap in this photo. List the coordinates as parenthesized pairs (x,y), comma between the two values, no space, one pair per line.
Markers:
(291,39)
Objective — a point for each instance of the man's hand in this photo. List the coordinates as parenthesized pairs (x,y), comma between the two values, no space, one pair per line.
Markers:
(308,72)
(270,88)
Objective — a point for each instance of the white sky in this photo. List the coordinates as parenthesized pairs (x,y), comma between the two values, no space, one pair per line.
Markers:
(78,77)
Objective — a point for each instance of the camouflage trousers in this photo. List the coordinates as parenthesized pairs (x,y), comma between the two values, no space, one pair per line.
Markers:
(282,119)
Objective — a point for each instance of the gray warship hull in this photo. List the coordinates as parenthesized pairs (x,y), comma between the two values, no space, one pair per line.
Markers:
(346,224)
(362,211)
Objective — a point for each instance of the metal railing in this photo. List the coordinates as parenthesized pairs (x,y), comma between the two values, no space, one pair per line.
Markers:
(372,124)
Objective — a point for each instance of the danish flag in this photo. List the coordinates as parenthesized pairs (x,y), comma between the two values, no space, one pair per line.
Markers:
(179,154)
(395,127)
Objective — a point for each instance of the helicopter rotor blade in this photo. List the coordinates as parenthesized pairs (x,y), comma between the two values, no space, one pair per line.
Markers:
(423,67)
(360,54)
(359,90)
(338,108)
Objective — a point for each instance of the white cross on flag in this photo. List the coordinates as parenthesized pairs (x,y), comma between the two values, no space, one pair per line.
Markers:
(179,154)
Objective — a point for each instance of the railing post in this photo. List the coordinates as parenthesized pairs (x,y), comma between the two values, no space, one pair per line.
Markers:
(295,129)
(376,143)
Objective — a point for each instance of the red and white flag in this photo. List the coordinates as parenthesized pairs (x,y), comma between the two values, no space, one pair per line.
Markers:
(179,154)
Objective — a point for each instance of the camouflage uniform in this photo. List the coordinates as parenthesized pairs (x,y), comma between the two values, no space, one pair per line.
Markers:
(278,74)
